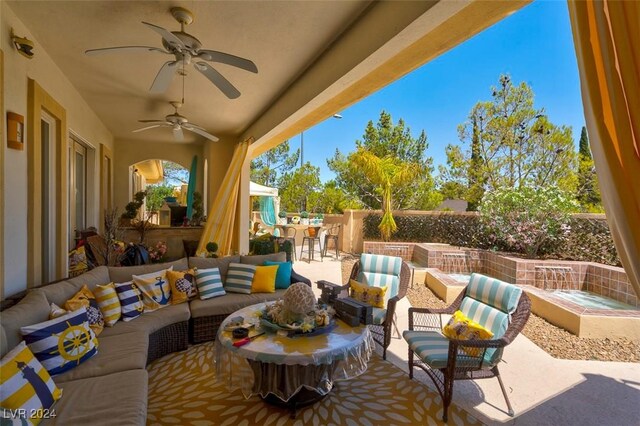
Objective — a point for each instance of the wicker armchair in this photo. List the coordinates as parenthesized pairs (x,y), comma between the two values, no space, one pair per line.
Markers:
(382,332)
(455,363)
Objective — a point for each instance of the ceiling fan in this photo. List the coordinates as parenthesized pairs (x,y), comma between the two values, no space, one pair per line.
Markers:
(187,50)
(177,122)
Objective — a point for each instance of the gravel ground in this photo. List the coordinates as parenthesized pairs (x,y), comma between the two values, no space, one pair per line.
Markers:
(557,342)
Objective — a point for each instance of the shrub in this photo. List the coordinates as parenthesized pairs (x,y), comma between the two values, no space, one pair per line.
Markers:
(527,220)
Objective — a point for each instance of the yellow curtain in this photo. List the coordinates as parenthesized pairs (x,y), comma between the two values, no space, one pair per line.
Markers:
(221,218)
(606,35)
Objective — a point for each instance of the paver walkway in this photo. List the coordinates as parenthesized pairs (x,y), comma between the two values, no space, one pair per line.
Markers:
(543,390)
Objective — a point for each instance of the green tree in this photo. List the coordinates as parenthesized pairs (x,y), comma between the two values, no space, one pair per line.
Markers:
(331,199)
(512,145)
(267,168)
(156,195)
(386,173)
(386,139)
(588,192)
(296,187)
(174,174)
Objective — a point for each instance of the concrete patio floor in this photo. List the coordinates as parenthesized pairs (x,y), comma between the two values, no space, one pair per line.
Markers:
(543,390)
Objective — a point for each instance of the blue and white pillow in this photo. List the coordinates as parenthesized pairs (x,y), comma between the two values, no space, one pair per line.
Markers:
(239,278)
(130,300)
(62,343)
(209,283)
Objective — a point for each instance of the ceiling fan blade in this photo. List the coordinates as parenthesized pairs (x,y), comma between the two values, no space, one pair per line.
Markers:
(163,79)
(147,128)
(152,121)
(124,49)
(226,58)
(166,35)
(216,78)
(196,129)
(178,134)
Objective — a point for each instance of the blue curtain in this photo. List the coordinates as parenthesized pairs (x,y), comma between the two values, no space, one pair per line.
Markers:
(267,211)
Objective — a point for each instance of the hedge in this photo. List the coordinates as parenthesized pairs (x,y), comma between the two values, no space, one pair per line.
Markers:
(589,239)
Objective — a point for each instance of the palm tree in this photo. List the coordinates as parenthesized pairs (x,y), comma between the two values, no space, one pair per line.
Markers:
(385,172)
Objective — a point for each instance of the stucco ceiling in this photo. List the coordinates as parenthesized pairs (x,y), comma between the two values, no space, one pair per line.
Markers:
(282,38)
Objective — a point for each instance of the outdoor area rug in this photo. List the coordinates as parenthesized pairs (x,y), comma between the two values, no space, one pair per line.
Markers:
(183,390)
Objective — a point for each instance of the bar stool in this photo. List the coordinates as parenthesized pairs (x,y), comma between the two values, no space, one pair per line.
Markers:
(311,236)
(289,234)
(332,235)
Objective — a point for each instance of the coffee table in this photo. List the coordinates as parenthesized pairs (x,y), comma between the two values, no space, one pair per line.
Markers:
(291,371)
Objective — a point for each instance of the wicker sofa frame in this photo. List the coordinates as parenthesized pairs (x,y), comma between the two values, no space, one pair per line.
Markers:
(382,333)
(424,319)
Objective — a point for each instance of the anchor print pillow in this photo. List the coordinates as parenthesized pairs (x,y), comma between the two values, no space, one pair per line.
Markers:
(155,288)
(26,384)
(62,343)
(85,299)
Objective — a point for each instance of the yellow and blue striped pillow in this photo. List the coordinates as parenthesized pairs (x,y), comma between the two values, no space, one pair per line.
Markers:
(25,384)
(62,343)
(109,303)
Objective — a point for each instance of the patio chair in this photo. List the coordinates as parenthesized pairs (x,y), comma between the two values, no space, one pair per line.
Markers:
(500,307)
(289,233)
(332,235)
(378,270)
(311,237)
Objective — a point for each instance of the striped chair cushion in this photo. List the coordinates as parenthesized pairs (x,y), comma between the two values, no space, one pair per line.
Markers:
(130,300)
(239,278)
(62,343)
(380,271)
(25,384)
(109,303)
(493,292)
(209,283)
(490,318)
(433,349)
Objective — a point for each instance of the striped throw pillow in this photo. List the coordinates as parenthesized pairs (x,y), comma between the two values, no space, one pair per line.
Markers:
(25,384)
(62,343)
(130,300)
(109,303)
(239,278)
(209,283)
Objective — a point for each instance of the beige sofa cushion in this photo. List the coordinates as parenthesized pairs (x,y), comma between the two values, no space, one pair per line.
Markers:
(150,322)
(32,309)
(4,346)
(127,351)
(119,398)
(260,259)
(121,274)
(230,303)
(62,291)
(92,278)
(221,263)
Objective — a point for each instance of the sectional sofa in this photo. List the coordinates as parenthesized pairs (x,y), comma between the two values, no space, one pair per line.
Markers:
(111,387)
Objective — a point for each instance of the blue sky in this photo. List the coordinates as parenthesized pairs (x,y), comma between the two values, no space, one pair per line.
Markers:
(533,45)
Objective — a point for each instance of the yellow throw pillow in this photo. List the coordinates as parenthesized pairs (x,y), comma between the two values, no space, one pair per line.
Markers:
(460,327)
(26,385)
(56,311)
(374,296)
(109,303)
(264,280)
(183,285)
(155,289)
(85,299)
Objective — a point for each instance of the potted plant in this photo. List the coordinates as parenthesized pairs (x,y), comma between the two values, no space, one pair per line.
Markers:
(282,217)
(198,209)
(212,248)
(304,217)
(131,209)
(318,218)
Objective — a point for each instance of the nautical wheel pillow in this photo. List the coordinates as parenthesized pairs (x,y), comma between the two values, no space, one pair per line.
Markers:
(62,343)
(155,288)
(26,385)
